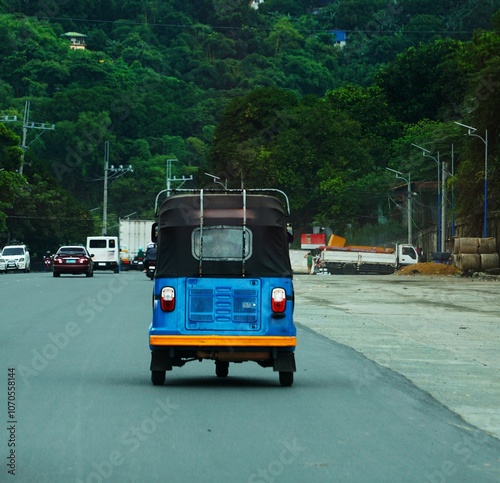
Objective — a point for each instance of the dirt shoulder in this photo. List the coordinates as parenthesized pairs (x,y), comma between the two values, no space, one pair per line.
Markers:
(442,332)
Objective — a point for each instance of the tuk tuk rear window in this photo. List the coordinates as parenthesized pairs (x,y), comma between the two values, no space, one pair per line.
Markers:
(222,243)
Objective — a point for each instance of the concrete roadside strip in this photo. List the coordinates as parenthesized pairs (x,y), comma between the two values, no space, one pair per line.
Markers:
(442,333)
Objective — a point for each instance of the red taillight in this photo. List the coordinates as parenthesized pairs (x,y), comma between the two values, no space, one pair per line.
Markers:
(278,300)
(167,299)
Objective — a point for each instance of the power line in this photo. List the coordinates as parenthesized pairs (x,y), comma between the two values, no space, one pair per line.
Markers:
(246,27)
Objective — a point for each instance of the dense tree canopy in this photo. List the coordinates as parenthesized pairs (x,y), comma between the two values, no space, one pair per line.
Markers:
(264,97)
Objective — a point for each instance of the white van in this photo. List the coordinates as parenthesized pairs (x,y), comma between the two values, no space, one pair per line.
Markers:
(105,252)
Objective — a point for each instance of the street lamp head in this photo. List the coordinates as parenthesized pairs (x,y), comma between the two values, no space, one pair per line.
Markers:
(398,173)
(212,176)
(420,147)
(470,128)
(216,180)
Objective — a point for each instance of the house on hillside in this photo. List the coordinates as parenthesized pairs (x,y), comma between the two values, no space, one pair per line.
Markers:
(76,40)
(255,3)
(340,37)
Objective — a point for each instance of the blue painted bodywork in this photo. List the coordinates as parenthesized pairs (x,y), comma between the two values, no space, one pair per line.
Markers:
(223,306)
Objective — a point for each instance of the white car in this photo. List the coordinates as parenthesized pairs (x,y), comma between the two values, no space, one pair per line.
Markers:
(15,257)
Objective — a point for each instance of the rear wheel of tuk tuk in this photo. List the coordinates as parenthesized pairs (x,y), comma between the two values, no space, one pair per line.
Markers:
(221,368)
(286,378)
(158,378)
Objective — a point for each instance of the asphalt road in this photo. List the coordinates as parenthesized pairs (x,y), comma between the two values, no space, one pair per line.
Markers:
(75,370)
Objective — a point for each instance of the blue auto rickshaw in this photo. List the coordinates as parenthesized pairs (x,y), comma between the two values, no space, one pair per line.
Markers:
(223,288)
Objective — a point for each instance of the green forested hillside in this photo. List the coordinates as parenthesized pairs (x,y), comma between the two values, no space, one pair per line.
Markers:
(265,97)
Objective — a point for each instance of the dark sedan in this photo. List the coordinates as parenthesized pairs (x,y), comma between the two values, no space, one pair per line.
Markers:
(72,260)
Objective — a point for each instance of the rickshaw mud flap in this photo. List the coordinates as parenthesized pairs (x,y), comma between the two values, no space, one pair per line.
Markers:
(160,361)
(230,356)
(284,362)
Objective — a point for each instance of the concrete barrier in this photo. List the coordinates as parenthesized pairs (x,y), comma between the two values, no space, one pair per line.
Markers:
(299,263)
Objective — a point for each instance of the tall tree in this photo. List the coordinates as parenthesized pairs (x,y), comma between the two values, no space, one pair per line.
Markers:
(423,81)
(248,124)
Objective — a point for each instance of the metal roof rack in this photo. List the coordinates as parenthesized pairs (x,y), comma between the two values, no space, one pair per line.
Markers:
(239,190)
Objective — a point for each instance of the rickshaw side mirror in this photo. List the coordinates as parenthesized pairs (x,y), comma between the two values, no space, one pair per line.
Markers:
(154,232)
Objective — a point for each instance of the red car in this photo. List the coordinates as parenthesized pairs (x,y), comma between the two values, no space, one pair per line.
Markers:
(72,260)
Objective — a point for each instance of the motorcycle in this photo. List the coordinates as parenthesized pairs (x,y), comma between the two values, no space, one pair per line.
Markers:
(150,270)
(150,262)
(47,261)
(137,263)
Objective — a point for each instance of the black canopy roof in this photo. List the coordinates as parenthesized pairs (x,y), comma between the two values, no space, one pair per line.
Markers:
(262,214)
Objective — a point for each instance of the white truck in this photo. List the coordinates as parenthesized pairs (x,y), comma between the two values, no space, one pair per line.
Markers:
(135,234)
(349,260)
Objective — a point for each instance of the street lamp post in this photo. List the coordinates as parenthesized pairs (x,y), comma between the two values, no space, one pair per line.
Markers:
(440,205)
(470,132)
(409,204)
(453,192)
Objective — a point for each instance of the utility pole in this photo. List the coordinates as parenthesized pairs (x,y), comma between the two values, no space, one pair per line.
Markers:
(169,173)
(170,179)
(31,125)
(105,202)
(115,173)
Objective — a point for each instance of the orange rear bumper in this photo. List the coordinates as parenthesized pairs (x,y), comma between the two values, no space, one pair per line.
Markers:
(222,341)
